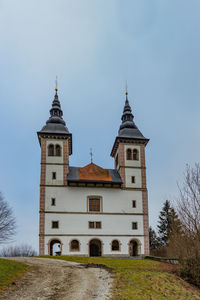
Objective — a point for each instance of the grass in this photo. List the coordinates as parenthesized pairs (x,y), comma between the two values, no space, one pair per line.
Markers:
(143,279)
(10,271)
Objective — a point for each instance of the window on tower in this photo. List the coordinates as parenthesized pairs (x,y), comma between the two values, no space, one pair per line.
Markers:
(55,224)
(128,154)
(135,154)
(58,150)
(134,203)
(51,150)
(53,175)
(53,201)
(133,179)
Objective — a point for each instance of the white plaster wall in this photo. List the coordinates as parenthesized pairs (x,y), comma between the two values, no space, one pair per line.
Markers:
(84,244)
(132,163)
(78,224)
(129,172)
(74,199)
(54,159)
(59,174)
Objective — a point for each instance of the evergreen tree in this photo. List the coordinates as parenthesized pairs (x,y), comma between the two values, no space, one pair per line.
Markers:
(154,241)
(168,220)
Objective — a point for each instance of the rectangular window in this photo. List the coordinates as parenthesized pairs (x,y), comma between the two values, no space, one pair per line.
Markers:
(53,175)
(98,224)
(94,225)
(91,224)
(55,224)
(134,203)
(134,225)
(53,201)
(133,179)
(94,204)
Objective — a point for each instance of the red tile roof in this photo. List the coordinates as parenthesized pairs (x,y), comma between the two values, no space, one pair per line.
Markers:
(94,172)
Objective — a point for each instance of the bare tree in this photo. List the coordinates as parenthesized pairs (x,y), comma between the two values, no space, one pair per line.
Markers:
(21,250)
(186,240)
(189,201)
(7,221)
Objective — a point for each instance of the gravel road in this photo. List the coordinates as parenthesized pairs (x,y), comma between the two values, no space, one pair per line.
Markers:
(55,279)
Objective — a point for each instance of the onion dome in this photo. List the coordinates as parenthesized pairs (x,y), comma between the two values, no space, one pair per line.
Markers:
(55,123)
(55,126)
(128,127)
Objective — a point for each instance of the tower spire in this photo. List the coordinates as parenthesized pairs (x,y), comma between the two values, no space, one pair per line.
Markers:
(56,82)
(126,93)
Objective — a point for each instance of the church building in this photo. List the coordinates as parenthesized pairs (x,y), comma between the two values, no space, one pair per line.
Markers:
(90,210)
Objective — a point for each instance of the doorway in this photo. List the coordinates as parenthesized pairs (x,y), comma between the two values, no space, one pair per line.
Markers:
(133,248)
(55,248)
(95,248)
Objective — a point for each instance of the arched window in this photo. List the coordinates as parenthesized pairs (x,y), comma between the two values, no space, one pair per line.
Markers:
(128,154)
(115,245)
(135,154)
(74,245)
(51,150)
(58,150)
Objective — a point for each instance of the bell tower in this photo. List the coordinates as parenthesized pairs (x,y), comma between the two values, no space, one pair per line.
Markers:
(129,155)
(56,146)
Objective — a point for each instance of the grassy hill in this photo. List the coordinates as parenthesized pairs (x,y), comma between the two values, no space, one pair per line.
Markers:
(10,271)
(143,279)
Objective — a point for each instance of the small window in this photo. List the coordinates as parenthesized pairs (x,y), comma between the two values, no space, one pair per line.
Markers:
(53,175)
(51,150)
(98,224)
(94,204)
(95,225)
(74,245)
(115,245)
(55,224)
(128,154)
(134,203)
(134,225)
(53,201)
(135,154)
(58,150)
(133,179)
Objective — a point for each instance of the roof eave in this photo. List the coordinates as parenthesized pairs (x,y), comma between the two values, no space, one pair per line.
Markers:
(93,181)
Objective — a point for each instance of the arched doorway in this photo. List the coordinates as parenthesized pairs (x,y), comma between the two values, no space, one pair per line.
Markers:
(133,248)
(55,248)
(95,248)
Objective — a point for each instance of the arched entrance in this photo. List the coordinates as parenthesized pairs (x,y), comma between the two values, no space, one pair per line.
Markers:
(95,248)
(55,248)
(133,248)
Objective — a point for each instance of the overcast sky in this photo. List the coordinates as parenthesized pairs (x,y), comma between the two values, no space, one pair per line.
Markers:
(94,46)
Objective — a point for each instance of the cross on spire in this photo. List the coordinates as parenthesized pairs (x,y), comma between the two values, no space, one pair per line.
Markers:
(56,82)
(126,88)
(91,155)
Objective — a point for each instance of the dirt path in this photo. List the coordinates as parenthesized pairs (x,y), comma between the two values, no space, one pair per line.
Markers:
(54,279)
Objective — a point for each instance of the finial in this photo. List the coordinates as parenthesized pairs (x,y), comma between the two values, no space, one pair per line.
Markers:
(56,82)
(126,89)
(91,155)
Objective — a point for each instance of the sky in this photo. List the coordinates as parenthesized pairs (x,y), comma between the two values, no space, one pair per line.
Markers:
(94,46)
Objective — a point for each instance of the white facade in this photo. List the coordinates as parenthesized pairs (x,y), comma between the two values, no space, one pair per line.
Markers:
(118,226)
(70,210)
